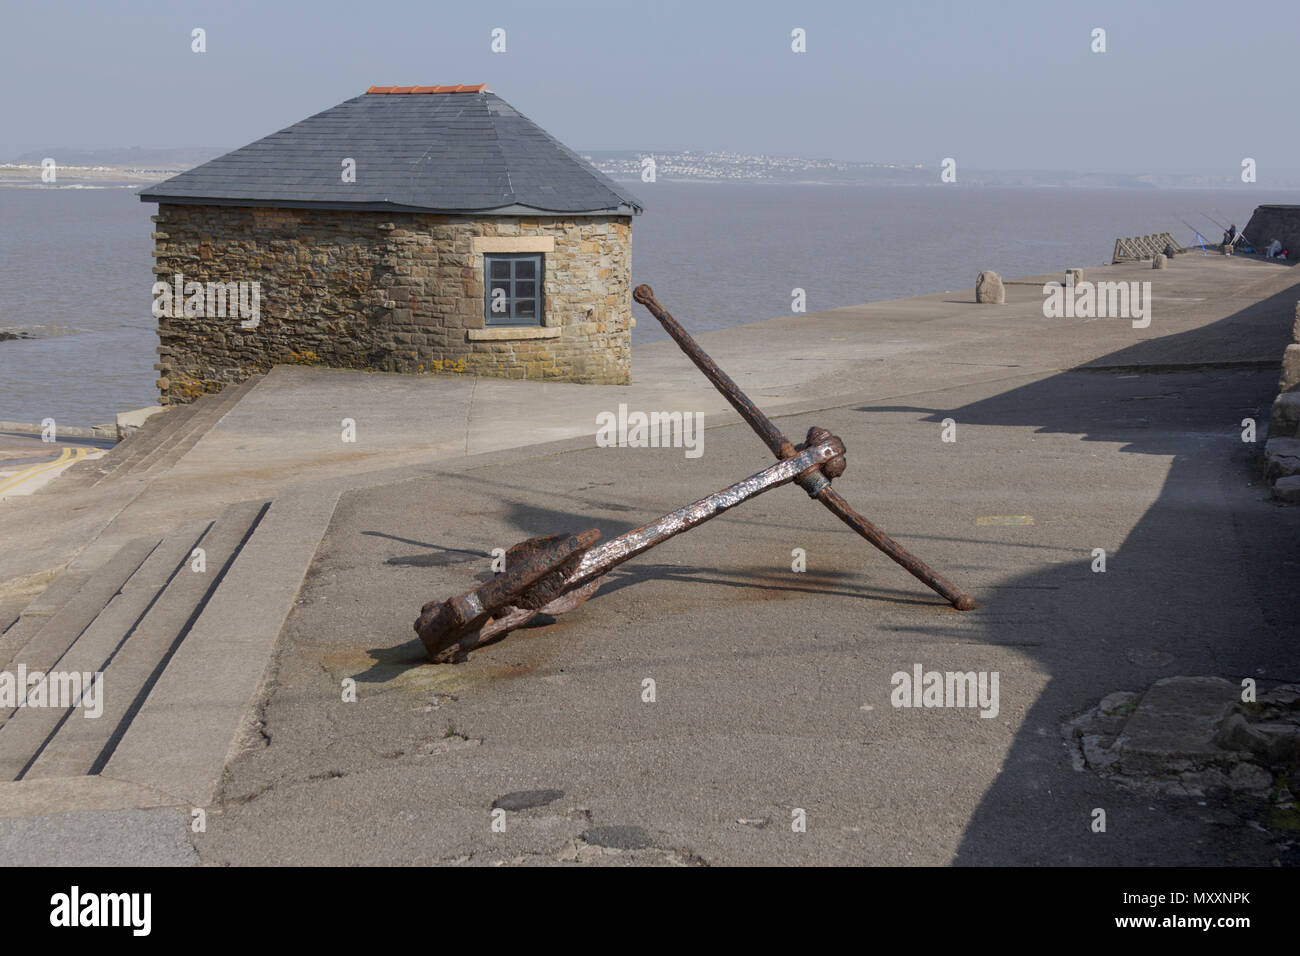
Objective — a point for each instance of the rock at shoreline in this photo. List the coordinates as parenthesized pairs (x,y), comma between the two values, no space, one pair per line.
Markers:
(36,331)
(989,288)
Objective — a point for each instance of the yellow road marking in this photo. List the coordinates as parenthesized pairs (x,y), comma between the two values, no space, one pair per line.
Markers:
(67,456)
(34,470)
(1004,520)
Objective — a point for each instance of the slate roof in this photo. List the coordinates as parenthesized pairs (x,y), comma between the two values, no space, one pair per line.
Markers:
(440,149)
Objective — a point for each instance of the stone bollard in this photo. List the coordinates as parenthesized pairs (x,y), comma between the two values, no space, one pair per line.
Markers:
(1159,261)
(1227,248)
(1077,273)
(989,288)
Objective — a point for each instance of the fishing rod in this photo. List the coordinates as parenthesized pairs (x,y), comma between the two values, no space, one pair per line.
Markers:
(1195,232)
(1238,237)
(1235,237)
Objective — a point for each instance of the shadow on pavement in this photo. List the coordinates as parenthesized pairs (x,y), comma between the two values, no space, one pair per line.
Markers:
(1204,584)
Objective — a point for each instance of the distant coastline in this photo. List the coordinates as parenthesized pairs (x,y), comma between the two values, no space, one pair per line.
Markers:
(685,166)
(27,176)
(119,168)
(103,168)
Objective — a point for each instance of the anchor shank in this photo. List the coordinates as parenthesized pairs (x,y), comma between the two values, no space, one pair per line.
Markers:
(614,552)
(780,445)
(931,578)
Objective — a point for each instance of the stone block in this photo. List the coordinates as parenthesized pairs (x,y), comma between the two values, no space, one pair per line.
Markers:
(1287,489)
(1290,380)
(1236,733)
(1159,261)
(1282,457)
(1248,778)
(1284,419)
(128,422)
(989,288)
(1176,726)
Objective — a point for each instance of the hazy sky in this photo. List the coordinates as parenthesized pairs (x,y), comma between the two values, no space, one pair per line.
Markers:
(1182,88)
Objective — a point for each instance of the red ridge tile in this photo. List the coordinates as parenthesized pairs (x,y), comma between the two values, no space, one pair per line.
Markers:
(458,88)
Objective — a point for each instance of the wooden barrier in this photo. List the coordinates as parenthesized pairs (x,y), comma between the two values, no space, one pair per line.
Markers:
(1137,248)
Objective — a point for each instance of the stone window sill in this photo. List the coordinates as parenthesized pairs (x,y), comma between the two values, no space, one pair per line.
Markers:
(505,333)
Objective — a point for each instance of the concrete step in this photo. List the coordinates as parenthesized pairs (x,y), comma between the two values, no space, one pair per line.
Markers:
(52,597)
(10,610)
(181,656)
(159,443)
(88,473)
(81,746)
(157,429)
(204,703)
(56,618)
(180,425)
(199,426)
(26,729)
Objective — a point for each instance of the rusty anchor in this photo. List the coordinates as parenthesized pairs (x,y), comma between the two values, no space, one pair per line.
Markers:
(556,573)
(818,486)
(553,574)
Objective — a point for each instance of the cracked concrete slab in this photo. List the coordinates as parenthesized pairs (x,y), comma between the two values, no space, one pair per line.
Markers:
(1176,725)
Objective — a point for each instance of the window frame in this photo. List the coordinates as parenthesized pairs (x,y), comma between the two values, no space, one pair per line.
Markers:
(495,320)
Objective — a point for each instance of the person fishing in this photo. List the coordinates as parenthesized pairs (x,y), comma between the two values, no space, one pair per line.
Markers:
(1230,236)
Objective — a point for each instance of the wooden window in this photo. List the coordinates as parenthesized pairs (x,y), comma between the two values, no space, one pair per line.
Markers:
(513,288)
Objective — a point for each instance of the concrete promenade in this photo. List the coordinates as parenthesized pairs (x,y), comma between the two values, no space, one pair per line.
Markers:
(772,687)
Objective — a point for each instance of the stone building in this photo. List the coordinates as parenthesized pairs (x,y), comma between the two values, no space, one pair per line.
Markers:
(409,229)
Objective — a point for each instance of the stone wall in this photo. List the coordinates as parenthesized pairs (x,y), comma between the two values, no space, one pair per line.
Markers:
(394,292)
(1282,453)
(1274,222)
